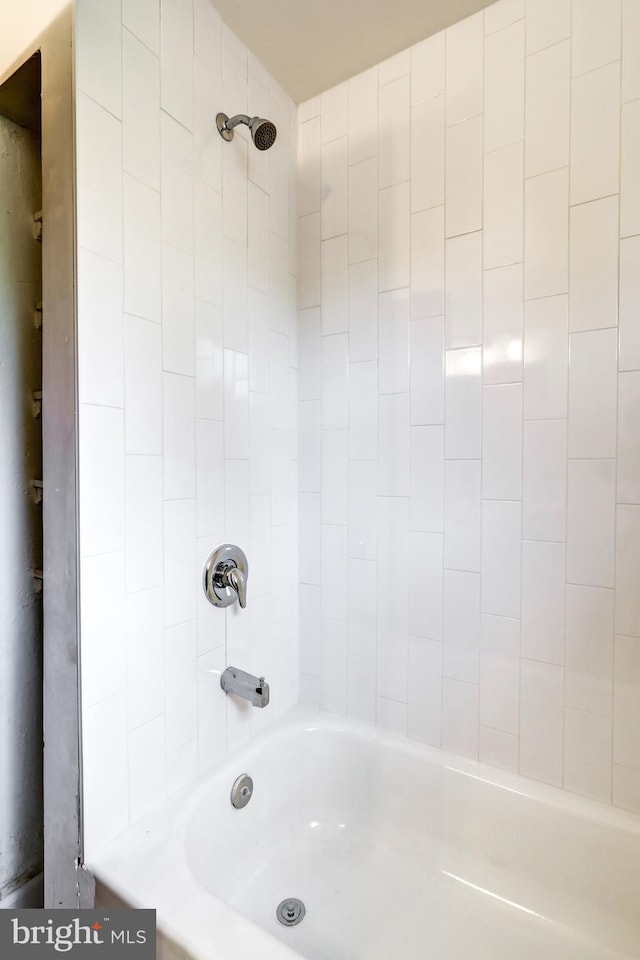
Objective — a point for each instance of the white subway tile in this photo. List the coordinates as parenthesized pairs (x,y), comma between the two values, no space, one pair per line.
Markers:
(461,627)
(589,649)
(142,17)
(335,286)
(309,357)
(595,34)
(393,342)
(462,515)
(333,203)
(309,261)
(363,411)
(393,548)
(427,263)
(308,109)
(363,505)
(209,361)
(424,705)
(308,446)
(427,154)
(333,572)
(503,325)
(181,684)
(393,449)
(335,382)
(178,324)
(626,704)
(101,479)
(543,603)
(595,134)
(391,716)
(147,767)
(363,116)
(544,480)
(502,13)
(587,755)
(334,112)
(179,436)
(394,131)
(630,41)
(428,68)
(393,237)
(363,211)
(142,250)
(212,715)
(143,522)
(541,721)
(180,575)
(502,442)
(590,522)
(209,478)
(392,649)
(504,87)
(464,68)
(207,32)
(140,111)
(99,162)
(463,177)
(546,358)
(626,788)
(104,647)
(498,749)
(546,234)
(361,689)
(593,358)
(628,472)
(333,666)
(100,331)
(464,291)
(309,629)
(208,245)
(629,298)
(143,386)
(236,501)
(177,60)
(145,656)
(177,184)
(258,239)
(501,557)
(309,175)
(460,717)
(335,476)
(499,673)
(427,371)
(627,570)
(630,159)
(503,206)
(394,67)
(310,691)
(362,609)
(463,398)
(234,193)
(548,21)
(363,311)
(425,584)
(208,95)
(309,537)
(98,49)
(105,772)
(426,482)
(593,265)
(260,346)
(548,94)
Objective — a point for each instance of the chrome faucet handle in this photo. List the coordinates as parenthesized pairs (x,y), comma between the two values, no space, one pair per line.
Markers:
(224,576)
(236,578)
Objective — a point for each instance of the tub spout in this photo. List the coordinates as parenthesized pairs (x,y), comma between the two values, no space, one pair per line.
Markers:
(245,685)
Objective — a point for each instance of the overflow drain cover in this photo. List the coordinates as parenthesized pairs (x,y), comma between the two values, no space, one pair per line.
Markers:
(290,912)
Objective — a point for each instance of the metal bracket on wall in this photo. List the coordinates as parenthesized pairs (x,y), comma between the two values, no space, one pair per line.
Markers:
(37,225)
(37,315)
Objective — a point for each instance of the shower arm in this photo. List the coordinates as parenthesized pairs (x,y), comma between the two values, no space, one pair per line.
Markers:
(239,118)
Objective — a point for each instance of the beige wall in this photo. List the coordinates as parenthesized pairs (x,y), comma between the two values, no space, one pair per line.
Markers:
(20,25)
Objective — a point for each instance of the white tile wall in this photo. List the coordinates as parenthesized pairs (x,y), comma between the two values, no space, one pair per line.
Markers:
(185,418)
(494,420)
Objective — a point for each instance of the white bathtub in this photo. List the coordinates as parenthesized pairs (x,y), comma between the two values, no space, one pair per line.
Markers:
(399,851)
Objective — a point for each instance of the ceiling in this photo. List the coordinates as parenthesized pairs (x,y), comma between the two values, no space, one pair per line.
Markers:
(310,45)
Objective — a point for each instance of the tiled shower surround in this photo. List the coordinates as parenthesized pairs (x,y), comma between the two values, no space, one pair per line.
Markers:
(187,356)
(469,393)
(467,368)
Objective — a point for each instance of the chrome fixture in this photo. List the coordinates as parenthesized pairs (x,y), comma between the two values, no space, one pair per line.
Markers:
(224,576)
(263,132)
(290,911)
(245,685)
(242,791)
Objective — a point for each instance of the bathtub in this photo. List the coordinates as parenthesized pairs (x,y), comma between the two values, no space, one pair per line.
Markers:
(398,851)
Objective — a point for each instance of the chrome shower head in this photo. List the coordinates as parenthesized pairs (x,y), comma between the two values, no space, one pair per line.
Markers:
(263,132)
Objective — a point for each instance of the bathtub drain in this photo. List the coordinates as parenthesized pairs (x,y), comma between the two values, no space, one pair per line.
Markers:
(290,912)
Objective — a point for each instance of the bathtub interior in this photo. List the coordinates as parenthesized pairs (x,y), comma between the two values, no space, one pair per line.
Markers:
(397,853)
